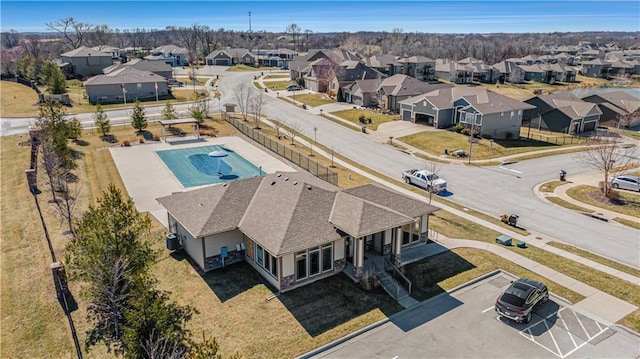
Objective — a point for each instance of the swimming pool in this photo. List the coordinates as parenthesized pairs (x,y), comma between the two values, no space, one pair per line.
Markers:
(194,167)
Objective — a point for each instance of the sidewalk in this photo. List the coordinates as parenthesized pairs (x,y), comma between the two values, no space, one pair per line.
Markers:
(591,179)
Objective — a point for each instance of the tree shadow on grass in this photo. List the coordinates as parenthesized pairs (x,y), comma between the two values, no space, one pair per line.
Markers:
(524,143)
(109,138)
(427,273)
(230,281)
(330,302)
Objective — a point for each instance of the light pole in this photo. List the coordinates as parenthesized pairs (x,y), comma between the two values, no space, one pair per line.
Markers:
(315,132)
(475,115)
(320,112)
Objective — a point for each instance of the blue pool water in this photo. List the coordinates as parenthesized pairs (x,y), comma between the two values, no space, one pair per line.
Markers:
(193,166)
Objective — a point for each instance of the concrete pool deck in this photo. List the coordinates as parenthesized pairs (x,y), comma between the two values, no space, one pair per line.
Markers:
(147,177)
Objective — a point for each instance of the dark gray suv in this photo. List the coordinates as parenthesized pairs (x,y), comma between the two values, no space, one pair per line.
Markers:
(520,299)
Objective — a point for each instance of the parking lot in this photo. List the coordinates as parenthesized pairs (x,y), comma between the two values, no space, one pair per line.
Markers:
(464,324)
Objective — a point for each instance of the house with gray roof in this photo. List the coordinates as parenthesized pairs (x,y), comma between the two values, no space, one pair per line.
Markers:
(346,73)
(509,71)
(85,62)
(616,106)
(172,55)
(157,67)
(564,112)
(488,113)
(126,84)
(362,93)
(294,228)
(386,64)
(231,56)
(400,87)
(596,68)
(421,68)
(449,70)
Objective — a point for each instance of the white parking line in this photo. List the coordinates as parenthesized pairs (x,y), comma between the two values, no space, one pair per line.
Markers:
(570,335)
(582,326)
(553,338)
(488,309)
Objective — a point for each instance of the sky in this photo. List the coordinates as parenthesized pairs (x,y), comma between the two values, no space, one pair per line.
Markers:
(453,16)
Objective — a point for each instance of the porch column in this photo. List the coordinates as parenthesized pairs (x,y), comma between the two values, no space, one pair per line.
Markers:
(423,227)
(358,258)
(396,247)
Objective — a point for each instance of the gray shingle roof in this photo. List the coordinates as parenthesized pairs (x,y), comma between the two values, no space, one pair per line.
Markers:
(568,104)
(389,198)
(140,64)
(84,51)
(481,99)
(125,75)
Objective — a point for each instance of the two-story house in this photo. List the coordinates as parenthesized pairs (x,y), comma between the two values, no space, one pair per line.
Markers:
(564,112)
(170,54)
(85,62)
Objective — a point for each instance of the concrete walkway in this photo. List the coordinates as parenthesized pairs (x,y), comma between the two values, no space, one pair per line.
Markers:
(590,179)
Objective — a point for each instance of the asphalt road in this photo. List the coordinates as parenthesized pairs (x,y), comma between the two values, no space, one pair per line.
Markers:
(493,190)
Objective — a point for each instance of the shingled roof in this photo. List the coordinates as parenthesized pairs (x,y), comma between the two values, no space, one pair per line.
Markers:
(84,51)
(290,211)
(483,100)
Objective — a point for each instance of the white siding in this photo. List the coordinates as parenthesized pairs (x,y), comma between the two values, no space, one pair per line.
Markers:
(215,242)
(193,246)
(387,236)
(288,265)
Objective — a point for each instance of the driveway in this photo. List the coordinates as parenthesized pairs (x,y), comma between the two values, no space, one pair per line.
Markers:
(463,324)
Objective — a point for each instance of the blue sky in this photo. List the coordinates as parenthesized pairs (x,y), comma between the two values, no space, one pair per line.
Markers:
(515,16)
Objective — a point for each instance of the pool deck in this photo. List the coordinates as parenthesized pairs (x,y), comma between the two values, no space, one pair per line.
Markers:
(147,177)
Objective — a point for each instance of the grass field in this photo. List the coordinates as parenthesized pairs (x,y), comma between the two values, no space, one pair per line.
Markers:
(590,195)
(17,100)
(278,85)
(552,185)
(596,258)
(312,99)
(568,205)
(435,142)
(377,117)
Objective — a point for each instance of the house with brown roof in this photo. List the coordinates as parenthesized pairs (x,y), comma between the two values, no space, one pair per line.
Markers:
(564,112)
(85,62)
(294,228)
(400,87)
(488,113)
(615,106)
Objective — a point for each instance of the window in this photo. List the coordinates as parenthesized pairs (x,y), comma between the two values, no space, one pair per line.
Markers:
(139,87)
(314,262)
(327,257)
(274,266)
(267,261)
(301,265)
(260,254)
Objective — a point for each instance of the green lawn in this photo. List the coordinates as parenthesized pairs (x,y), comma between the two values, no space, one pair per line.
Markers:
(552,185)
(568,205)
(278,85)
(596,258)
(377,117)
(435,142)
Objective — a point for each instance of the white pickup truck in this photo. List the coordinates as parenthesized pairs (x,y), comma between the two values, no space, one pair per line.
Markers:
(425,179)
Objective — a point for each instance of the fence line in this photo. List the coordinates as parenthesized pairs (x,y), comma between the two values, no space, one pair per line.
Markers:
(313,167)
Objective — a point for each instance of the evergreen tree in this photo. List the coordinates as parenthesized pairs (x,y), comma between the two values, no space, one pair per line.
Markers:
(169,112)
(138,118)
(101,121)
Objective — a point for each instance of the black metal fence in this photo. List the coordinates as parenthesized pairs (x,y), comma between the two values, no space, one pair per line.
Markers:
(303,161)
(556,140)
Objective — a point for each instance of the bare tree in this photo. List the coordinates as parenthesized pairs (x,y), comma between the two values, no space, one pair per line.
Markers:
(10,39)
(277,125)
(626,119)
(73,32)
(294,30)
(164,347)
(255,105)
(242,94)
(101,35)
(33,47)
(189,36)
(68,190)
(294,130)
(607,155)
(433,168)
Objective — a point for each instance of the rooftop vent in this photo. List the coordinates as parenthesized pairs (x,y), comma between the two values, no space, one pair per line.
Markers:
(279,174)
(273,182)
(201,205)
(286,178)
(309,187)
(295,183)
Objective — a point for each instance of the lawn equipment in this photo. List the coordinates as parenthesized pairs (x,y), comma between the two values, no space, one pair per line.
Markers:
(511,220)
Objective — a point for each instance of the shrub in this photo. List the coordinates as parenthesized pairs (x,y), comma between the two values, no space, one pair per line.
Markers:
(458,128)
(140,139)
(465,131)
(126,143)
(156,137)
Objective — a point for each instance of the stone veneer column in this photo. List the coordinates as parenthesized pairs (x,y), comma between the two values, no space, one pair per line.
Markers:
(396,247)
(358,258)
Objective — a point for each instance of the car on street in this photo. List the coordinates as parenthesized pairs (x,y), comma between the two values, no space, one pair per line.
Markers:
(520,299)
(294,87)
(631,183)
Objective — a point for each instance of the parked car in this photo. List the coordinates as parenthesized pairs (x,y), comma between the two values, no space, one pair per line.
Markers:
(174,82)
(425,179)
(294,87)
(520,299)
(631,183)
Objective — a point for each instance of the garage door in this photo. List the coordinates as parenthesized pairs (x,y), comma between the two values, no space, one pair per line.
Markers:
(589,126)
(222,62)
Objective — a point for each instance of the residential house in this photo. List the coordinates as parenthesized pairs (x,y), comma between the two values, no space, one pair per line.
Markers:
(596,68)
(117,55)
(169,54)
(386,64)
(275,57)
(85,62)
(396,88)
(537,73)
(480,72)
(488,113)
(451,71)
(231,56)
(125,84)
(293,228)
(622,69)
(561,72)
(529,60)
(218,58)
(362,93)
(346,73)
(509,72)
(564,112)
(157,67)
(615,106)
(590,55)
(421,68)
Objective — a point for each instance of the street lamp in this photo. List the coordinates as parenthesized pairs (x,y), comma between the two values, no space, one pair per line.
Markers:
(315,132)
(320,112)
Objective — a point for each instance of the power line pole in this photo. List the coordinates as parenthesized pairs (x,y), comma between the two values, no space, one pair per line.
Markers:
(249,21)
